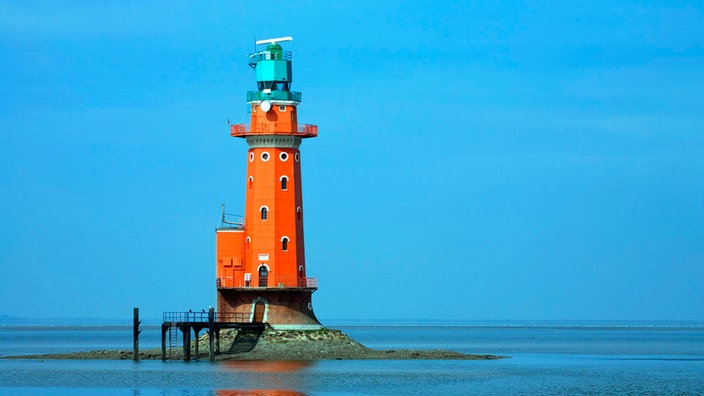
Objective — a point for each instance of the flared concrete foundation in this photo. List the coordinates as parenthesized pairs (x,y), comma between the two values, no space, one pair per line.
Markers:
(281,308)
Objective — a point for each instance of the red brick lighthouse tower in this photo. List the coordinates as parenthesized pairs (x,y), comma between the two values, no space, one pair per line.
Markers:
(261,269)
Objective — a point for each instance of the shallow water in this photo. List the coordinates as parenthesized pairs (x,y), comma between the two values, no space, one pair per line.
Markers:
(545,359)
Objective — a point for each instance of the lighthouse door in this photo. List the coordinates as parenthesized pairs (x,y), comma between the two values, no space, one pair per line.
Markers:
(258,312)
(263,276)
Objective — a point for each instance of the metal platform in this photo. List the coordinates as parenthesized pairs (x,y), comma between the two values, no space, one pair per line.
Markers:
(193,322)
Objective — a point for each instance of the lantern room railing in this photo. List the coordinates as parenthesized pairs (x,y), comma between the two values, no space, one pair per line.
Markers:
(269,55)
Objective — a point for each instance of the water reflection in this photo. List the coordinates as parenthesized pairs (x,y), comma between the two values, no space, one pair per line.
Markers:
(267,366)
(258,393)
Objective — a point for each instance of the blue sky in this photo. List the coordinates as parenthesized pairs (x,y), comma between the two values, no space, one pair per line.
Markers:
(475,160)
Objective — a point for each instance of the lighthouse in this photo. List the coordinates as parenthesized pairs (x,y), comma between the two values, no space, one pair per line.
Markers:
(260,258)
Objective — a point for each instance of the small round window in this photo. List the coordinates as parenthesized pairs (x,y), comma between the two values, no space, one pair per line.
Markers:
(265,156)
(297,157)
(283,156)
(251,157)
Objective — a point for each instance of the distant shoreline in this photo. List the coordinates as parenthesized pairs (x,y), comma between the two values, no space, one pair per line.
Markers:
(68,322)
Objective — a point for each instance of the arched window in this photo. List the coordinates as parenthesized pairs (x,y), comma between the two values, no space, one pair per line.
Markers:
(284,182)
(265,212)
(298,213)
(284,244)
(250,182)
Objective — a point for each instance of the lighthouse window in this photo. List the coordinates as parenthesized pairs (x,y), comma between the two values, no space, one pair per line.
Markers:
(296,157)
(265,156)
(282,108)
(263,276)
(284,182)
(284,244)
(283,156)
(264,212)
(298,213)
(251,157)
(250,182)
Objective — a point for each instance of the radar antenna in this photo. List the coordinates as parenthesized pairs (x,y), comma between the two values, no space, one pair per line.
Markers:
(274,40)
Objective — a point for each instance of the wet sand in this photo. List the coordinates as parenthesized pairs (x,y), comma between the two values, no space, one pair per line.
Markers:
(272,344)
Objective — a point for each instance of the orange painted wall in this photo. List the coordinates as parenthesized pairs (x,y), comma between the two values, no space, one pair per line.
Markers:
(229,255)
(275,120)
(283,220)
(260,243)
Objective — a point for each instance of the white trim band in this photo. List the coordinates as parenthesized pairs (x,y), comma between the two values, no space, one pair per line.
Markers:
(273,141)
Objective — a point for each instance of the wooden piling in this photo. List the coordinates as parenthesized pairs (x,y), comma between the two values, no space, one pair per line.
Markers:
(217,340)
(211,329)
(196,333)
(186,330)
(135,332)
(164,328)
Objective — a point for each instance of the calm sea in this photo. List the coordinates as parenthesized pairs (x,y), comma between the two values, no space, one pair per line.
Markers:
(545,358)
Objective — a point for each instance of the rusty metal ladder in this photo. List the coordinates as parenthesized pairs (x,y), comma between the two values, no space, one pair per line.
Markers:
(173,339)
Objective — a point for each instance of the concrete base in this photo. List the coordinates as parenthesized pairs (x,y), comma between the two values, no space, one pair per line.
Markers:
(282,308)
(297,327)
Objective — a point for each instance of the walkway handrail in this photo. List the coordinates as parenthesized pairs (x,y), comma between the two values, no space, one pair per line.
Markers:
(202,317)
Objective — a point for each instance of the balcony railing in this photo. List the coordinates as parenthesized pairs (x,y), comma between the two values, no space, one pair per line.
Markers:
(268,55)
(242,130)
(289,96)
(271,282)
(231,222)
(230,225)
(202,317)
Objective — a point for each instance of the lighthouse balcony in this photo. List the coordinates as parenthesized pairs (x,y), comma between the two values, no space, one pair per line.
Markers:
(281,282)
(242,130)
(269,55)
(274,95)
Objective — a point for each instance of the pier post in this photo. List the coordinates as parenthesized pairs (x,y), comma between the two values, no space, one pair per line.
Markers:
(186,330)
(211,329)
(135,332)
(196,331)
(217,340)
(164,326)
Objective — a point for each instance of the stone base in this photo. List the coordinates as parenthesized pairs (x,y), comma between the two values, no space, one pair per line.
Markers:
(281,308)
